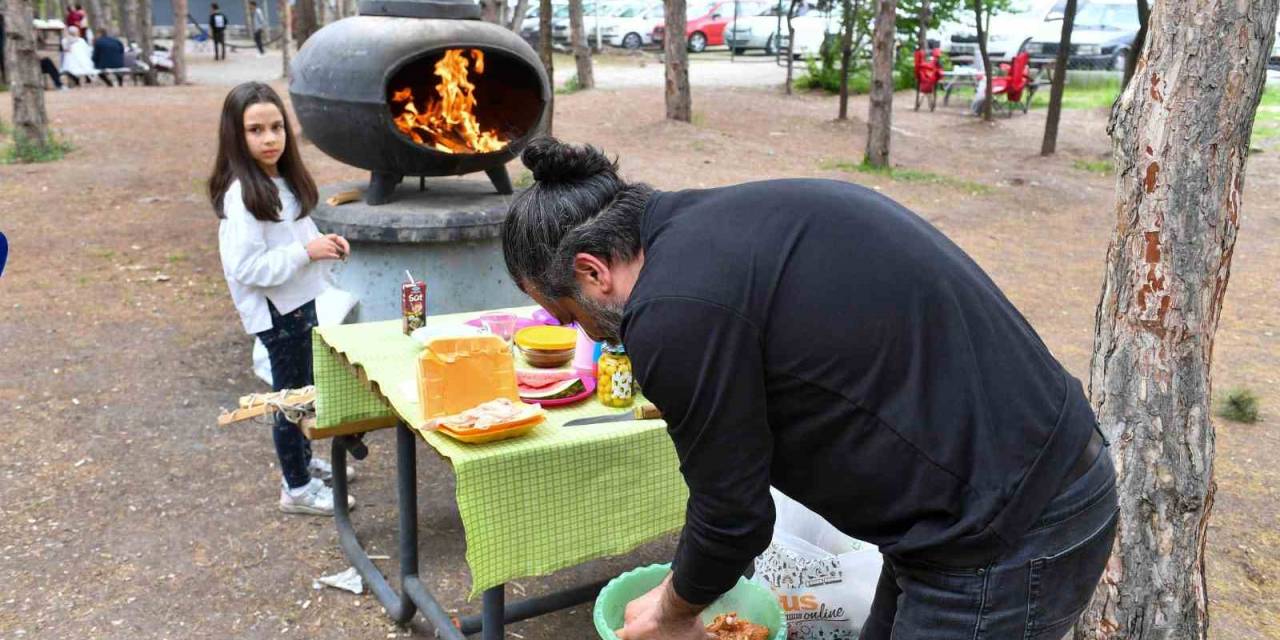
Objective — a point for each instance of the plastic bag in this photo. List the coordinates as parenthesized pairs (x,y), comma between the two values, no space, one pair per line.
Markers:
(824,579)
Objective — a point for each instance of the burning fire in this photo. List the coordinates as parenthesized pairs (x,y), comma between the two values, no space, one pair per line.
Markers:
(448,123)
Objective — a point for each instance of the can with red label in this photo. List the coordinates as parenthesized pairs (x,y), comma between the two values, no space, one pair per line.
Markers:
(413,305)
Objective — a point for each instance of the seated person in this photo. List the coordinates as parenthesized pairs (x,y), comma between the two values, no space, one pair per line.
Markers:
(77,58)
(108,55)
(48,68)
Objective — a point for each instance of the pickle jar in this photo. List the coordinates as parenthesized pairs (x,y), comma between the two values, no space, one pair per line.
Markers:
(615,386)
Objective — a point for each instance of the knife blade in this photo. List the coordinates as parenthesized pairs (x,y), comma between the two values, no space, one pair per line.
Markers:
(644,411)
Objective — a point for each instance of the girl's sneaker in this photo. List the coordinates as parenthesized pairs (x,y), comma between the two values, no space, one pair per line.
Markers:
(312,498)
(323,471)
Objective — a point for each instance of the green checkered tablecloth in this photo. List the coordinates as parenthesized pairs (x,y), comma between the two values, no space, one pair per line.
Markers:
(557,497)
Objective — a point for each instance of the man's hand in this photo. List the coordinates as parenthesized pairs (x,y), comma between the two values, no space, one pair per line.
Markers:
(662,615)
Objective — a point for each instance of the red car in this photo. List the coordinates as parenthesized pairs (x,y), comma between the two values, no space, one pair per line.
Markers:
(706,21)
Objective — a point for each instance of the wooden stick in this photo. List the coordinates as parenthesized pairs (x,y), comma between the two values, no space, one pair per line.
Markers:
(253,405)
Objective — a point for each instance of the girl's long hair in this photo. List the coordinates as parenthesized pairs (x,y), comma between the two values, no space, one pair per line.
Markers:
(235,163)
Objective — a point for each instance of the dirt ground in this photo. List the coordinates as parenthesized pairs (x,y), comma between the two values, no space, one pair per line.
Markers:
(126,513)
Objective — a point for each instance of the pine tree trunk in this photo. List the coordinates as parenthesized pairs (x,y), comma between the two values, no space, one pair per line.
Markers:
(145,21)
(132,31)
(846,56)
(581,51)
(26,85)
(981,17)
(1131,60)
(791,39)
(1050,143)
(1180,134)
(517,16)
(179,50)
(676,51)
(880,116)
(306,19)
(545,53)
(286,36)
(924,17)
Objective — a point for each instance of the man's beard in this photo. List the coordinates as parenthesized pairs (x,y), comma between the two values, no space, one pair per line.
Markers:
(607,317)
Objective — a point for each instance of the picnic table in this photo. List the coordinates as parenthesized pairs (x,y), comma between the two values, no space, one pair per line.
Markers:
(557,497)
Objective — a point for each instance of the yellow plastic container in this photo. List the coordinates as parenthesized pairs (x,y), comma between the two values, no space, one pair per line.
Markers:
(546,338)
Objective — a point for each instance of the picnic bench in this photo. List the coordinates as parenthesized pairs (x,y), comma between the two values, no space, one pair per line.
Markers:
(557,497)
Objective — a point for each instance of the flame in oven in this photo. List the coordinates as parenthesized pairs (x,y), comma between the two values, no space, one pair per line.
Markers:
(448,121)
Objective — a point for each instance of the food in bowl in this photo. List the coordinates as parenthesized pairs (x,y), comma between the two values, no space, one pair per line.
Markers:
(728,626)
(546,346)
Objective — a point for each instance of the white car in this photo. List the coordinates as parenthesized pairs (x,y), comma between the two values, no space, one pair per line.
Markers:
(761,31)
(1008,31)
(630,26)
(1101,37)
(812,29)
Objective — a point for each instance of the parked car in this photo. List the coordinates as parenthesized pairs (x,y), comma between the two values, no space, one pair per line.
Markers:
(590,19)
(707,20)
(1274,62)
(631,25)
(1101,38)
(762,31)
(1008,31)
(530,27)
(812,30)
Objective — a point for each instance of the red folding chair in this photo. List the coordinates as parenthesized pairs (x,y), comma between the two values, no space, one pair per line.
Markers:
(1015,85)
(928,77)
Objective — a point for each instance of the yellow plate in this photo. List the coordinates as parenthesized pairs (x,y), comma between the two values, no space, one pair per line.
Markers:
(547,338)
(477,436)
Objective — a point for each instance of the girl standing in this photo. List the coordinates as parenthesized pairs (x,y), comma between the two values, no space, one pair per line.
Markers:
(270,252)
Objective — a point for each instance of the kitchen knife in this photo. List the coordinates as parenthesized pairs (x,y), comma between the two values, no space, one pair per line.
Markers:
(644,411)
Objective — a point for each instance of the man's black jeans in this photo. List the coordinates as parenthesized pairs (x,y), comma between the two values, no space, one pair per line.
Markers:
(1035,591)
(288,344)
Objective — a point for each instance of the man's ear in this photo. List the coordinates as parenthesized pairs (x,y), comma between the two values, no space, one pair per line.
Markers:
(592,273)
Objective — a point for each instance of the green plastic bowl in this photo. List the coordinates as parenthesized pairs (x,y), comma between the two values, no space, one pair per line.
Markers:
(752,602)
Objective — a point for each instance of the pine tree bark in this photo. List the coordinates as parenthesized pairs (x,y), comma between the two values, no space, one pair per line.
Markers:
(26,86)
(132,31)
(676,52)
(179,50)
(846,56)
(980,14)
(145,20)
(922,38)
(1050,143)
(517,16)
(1180,134)
(306,21)
(545,53)
(1131,60)
(286,36)
(791,38)
(880,116)
(581,50)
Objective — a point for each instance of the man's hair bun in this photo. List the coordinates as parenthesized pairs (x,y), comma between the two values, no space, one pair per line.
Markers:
(553,161)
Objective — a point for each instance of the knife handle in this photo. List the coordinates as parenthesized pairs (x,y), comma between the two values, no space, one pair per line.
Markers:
(646,411)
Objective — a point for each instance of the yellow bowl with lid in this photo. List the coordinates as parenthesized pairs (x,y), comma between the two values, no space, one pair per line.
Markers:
(547,347)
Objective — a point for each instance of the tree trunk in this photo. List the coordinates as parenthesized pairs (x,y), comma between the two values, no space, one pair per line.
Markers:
(544,52)
(980,15)
(1050,143)
(132,31)
(93,11)
(1181,138)
(846,56)
(581,51)
(179,50)
(676,51)
(923,37)
(145,19)
(517,16)
(791,43)
(30,124)
(1131,60)
(880,116)
(286,35)
(306,19)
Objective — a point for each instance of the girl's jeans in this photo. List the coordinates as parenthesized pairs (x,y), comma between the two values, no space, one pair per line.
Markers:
(288,344)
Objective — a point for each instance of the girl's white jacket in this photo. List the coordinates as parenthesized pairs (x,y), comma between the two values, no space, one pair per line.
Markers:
(265,260)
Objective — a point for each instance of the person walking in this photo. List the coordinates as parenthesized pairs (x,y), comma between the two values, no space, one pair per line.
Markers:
(259,19)
(218,30)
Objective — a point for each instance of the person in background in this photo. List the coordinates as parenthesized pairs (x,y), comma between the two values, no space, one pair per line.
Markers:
(77,58)
(108,55)
(48,68)
(218,29)
(259,18)
(271,252)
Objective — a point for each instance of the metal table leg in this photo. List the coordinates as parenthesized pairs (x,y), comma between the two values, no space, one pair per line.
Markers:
(414,596)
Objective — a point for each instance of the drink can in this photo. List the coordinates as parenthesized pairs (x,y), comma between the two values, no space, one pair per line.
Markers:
(413,305)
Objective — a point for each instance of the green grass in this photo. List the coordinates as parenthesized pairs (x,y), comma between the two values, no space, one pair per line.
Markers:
(176,257)
(26,153)
(1266,124)
(901,174)
(1239,405)
(572,85)
(1093,166)
(524,180)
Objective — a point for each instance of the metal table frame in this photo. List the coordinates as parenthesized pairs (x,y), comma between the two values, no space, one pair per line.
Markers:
(414,595)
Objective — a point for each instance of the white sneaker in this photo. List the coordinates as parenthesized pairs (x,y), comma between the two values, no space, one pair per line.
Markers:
(323,471)
(311,499)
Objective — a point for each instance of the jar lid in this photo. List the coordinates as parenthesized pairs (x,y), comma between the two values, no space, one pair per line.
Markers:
(547,338)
